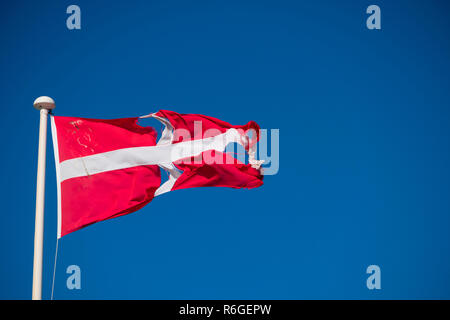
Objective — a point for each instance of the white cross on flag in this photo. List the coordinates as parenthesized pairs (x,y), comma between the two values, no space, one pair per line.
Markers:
(109,168)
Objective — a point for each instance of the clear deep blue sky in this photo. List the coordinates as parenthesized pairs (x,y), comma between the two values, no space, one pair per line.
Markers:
(364,146)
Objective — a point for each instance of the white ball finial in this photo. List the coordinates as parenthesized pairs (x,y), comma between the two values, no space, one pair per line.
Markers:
(44,102)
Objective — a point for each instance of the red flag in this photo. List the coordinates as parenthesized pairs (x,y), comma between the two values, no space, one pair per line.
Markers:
(108,168)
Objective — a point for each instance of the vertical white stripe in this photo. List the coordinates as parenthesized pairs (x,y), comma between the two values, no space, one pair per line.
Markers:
(166,139)
(58,172)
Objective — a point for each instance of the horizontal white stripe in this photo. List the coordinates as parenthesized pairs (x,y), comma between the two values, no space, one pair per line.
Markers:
(140,156)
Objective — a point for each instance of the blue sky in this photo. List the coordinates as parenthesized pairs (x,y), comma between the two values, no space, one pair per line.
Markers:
(364,146)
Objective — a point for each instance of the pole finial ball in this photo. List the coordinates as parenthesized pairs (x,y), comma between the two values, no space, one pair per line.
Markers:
(44,102)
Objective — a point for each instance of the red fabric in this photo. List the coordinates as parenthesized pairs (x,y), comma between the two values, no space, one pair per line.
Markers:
(209,126)
(205,170)
(79,137)
(210,173)
(86,200)
(91,198)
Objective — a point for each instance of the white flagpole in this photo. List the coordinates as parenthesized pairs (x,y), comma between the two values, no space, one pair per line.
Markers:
(44,104)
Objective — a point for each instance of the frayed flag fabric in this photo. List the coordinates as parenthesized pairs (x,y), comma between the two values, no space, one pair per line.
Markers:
(109,168)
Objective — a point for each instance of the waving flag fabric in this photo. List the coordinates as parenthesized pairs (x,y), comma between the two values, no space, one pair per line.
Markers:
(109,168)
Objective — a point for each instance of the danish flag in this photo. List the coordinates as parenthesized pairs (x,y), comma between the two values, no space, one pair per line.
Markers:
(109,168)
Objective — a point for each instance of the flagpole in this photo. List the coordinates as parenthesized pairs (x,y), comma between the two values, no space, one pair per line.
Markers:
(44,104)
